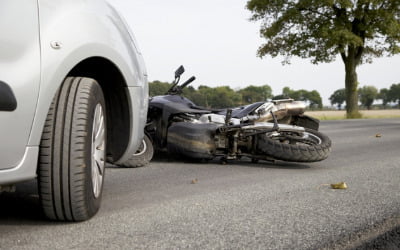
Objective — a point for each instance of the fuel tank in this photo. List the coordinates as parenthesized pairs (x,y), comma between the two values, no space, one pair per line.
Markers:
(194,140)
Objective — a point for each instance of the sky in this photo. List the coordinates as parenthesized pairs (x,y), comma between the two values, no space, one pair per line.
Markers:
(215,41)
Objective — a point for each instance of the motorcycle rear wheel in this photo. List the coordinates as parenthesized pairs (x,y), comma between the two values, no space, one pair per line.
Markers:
(312,146)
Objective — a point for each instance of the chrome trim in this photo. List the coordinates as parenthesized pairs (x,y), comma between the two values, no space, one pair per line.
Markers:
(98,150)
(269,125)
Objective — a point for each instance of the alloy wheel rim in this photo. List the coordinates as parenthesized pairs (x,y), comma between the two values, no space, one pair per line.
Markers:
(142,148)
(98,150)
(313,137)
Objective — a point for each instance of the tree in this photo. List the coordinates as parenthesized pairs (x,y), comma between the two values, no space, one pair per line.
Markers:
(223,97)
(201,96)
(218,97)
(287,93)
(252,94)
(315,99)
(357,30)
(338,97)
(394,93)
(367,95)
(298,95)
(158,88)
(384,96)
(312,97)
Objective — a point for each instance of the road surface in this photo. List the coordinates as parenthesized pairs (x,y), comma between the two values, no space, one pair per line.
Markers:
(173,204)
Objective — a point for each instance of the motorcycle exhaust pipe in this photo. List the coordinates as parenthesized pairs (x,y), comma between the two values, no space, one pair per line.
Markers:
(293,108)
(281,109)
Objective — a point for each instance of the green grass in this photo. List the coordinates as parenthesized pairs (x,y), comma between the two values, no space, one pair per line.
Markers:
(328,118)
(366,114)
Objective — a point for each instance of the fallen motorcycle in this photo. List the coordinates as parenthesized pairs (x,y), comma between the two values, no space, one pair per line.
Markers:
(275,130)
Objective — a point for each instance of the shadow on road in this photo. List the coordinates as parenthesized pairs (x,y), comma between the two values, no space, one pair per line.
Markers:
(21,206)
(271,165)
(244,162)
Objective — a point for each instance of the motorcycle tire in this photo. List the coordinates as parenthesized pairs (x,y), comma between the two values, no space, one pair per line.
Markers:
(315,147)
(143,155)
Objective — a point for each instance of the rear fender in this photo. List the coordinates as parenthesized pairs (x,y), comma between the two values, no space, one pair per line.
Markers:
(305,121)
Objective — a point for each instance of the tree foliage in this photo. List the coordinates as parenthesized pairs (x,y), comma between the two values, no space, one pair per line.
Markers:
(218,97)
(394,93)
(312,97)
(224,96)
(253,94)
(357,30)
(367,95)
(384,96)
(338,97)
(158,88)
(390,95)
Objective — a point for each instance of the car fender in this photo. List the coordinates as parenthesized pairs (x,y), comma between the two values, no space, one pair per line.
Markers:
(72,31)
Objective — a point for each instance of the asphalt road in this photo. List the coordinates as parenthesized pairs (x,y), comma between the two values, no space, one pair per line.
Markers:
(236,206)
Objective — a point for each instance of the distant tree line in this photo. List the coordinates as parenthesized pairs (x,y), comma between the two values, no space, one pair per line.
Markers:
(368,94)
(224,96)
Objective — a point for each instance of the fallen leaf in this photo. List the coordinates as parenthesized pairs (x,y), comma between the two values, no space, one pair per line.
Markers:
(340,185)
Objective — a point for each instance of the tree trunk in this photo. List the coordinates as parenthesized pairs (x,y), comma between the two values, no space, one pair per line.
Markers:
(351,87)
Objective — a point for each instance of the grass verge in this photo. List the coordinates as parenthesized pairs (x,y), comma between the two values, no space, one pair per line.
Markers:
(366,114)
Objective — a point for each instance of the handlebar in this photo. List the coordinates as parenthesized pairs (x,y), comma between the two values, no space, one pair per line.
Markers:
(191,79)
(175,88)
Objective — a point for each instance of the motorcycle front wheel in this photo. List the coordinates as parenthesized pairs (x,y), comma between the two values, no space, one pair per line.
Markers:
(143,155)
(310,146)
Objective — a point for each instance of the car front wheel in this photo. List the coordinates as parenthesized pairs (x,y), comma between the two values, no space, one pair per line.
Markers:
(72,152)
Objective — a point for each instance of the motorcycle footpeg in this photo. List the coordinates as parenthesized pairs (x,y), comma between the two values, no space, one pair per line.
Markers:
(228,116)
(276,126)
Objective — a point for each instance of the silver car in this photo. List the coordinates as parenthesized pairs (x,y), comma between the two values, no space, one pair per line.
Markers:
(73,93)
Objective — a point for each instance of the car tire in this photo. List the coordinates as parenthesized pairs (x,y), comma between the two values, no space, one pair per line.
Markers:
(72,152)
(143,155)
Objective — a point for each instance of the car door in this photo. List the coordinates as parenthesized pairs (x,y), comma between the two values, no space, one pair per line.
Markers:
(19,77)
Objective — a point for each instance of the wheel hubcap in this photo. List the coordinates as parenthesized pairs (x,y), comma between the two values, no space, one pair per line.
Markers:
(98,150)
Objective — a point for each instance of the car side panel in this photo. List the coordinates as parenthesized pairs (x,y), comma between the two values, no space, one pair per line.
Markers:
(20,70)
(83,30)
(70,32)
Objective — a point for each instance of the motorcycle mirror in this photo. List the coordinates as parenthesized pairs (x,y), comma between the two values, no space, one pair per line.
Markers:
(179,71)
